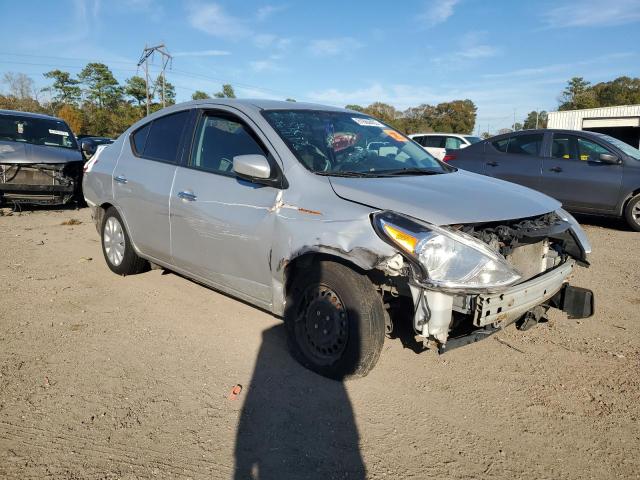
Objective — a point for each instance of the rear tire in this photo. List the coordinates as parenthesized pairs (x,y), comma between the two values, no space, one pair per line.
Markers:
(632,213)
(334,320)
(117,248)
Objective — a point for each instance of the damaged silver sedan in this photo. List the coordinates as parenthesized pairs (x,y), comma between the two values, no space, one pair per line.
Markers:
(40,162)
(335,221)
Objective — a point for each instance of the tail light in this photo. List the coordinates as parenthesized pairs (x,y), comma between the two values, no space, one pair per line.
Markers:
(449,157)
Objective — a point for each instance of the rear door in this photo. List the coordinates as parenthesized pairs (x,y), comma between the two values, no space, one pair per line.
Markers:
(221,225)
(574,174)
(516,159)
(142,182)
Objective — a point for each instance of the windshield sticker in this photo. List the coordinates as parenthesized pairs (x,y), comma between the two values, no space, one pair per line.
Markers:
(21,128)
(367,122)
(59,132)
(395,135)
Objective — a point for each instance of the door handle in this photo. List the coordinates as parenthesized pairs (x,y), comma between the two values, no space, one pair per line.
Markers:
(189,196)
(120,179)
(555,169)
(493,164)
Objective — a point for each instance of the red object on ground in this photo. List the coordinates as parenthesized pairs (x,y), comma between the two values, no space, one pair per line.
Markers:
(235,391)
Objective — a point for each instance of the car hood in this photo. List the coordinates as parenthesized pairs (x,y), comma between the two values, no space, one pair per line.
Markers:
(25,153)
(445,199)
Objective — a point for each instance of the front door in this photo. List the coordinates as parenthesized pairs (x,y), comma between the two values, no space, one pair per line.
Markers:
(574,175)
(221,226)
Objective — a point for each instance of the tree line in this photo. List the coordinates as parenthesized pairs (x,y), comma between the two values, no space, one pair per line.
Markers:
(94,102)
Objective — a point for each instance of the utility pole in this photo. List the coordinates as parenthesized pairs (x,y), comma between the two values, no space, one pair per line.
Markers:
(167,60)
(537,114)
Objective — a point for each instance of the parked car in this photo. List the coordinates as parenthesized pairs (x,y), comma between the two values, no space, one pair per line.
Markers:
(335,221)
(437,143)
(40,161)
(588,172)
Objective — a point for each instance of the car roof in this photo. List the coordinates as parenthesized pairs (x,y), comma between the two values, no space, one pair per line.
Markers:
(443,133)
(263,104)
(586,133)
(29,114)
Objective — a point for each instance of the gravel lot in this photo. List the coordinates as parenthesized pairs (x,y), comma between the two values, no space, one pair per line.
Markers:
(110,377)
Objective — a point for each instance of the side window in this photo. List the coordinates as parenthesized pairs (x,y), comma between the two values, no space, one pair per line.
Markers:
(218,139)
(501,145)
(564,146)
(453,142)
(525,144)
(590,151)
(419,140)
(139,138)
(434,141)
(163,139)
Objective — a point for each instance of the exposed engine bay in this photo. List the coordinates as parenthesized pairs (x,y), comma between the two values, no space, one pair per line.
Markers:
(543,249)
(44,183)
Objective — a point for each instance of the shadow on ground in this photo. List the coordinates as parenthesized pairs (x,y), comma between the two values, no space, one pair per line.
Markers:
(294,424)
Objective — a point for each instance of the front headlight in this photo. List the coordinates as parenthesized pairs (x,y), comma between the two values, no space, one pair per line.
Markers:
(447,258)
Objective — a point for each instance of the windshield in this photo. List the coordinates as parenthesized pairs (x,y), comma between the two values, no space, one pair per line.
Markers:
(349,144)
(473,140)
(625,147)
(37,131)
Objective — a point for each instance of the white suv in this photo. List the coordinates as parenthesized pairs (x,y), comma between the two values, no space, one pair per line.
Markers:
(437,143)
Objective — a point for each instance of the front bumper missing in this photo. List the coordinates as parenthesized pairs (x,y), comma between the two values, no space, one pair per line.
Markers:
(490,313)
(508,306)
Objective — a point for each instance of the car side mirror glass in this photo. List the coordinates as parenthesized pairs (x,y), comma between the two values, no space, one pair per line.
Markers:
(88,148)
(252,167)
(608,158)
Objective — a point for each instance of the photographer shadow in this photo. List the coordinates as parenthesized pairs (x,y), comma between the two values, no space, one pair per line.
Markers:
(294,423)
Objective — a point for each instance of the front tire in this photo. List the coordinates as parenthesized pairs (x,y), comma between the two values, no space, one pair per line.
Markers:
(334,321)
(632,213)
(117,248)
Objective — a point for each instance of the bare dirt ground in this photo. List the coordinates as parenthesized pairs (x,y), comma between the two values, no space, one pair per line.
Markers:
(110,377)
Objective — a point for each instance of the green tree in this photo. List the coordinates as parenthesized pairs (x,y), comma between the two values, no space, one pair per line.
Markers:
(517,126)
(199,95)
(577,95)
(357,108)
(485,135)
(535,120)
(65,88)
(291,99)
(457,116)
(168,94)
(383,112)
(136,88)
(226,92)
(102,88)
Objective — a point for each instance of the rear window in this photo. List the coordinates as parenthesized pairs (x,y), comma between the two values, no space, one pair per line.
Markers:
(160,139)
(520,144)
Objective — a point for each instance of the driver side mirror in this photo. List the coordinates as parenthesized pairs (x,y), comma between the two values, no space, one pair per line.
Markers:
(88,148)
(608,158)
(252,167)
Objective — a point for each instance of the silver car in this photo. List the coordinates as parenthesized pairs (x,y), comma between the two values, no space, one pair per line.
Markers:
(334,221)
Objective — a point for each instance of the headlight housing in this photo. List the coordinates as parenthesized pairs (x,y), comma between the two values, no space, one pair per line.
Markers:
(446,258)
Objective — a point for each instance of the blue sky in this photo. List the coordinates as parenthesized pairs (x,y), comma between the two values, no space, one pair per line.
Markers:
(503,55)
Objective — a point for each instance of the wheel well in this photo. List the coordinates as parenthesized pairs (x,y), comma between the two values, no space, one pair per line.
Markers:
(307,259)
(628,199)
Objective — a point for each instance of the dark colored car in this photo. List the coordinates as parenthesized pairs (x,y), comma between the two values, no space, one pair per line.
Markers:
(588,172)
(40,162)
